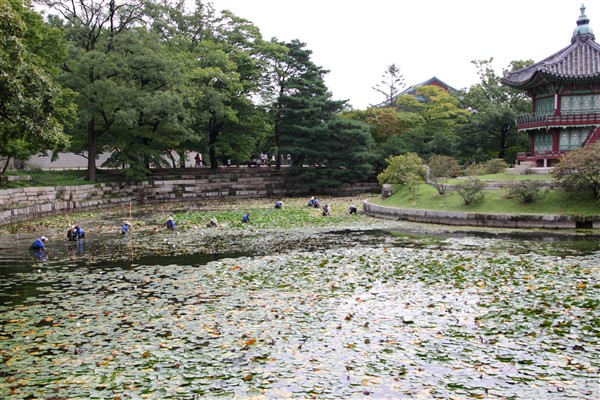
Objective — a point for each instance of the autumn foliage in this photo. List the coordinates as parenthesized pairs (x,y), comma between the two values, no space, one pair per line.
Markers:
(580,170)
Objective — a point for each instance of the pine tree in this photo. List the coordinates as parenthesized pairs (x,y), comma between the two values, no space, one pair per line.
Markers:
(326,150)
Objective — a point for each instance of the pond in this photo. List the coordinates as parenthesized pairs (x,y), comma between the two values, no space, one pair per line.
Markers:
(359,308)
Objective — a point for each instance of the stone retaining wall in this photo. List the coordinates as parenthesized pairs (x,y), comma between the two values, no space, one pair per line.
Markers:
(486,220)
(22,204)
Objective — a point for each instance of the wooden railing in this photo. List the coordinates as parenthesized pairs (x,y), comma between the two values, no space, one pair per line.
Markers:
(548,120)
(522,156)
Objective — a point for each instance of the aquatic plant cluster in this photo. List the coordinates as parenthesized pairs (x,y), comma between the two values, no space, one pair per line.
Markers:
(341,311)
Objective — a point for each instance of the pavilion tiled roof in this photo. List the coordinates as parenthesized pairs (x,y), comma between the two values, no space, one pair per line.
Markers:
(580,61)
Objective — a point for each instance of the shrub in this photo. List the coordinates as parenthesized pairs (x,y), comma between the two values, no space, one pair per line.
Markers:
(527,191)
(580,170)
(474,169)
(471,191)
(494,166)
(403,169)
(440,169)
(412,185)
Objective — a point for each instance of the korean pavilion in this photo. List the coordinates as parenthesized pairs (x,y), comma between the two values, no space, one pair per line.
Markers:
(565,93)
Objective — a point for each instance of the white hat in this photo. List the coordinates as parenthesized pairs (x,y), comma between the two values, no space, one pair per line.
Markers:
(170,218)
(126,223)
(43,238)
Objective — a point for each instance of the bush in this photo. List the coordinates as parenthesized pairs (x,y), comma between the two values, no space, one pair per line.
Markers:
(440,169)
(474,169)
(471,191)
(527,191)
(580,170)
(494,166)
(404,169)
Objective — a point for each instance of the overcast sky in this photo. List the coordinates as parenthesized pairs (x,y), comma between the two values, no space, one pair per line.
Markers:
(356,40)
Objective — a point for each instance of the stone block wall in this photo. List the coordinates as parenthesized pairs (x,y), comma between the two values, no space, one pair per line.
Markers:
(547,221)
(22,204)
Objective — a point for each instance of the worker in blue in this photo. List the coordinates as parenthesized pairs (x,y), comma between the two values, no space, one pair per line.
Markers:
(125,227)
(311,202)
(279,204)
(170,224)
(80,232)
(246,217)
(75,233)
(39,244)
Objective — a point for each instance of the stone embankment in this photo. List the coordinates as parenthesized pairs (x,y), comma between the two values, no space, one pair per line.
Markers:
(196,185)
(548,221)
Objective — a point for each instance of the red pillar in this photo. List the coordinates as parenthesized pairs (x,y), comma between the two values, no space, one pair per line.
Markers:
(556,139)
(531,143)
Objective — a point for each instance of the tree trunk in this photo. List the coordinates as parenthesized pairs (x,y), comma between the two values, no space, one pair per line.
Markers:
(278,117)
(91,173)
(214,130)
(502,150)
(278,145)
(4,168)
(171,157)
(212,152)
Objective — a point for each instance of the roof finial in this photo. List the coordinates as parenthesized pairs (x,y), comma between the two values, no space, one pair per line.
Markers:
(583,30)
(583,19)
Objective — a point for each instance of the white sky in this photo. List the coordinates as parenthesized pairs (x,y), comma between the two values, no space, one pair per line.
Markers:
(356,40)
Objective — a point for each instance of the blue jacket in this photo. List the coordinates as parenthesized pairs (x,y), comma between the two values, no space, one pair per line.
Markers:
(38,245)
(76,233)
(170,224)
(278,204)
(80,232)
(246,218)
(124,229)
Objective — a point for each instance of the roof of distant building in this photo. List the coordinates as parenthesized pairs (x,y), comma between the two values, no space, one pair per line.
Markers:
(434,81)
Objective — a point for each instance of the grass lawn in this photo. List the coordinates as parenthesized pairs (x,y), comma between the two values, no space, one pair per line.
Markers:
(495,202)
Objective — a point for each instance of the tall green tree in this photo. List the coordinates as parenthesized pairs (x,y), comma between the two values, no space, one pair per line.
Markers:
(385,122)
(181,27)
(152,109)
(91,28)
(223,57)
(388,128)
(226,77)
(312,131)
(276,84)
(392,81)
(434,116)
(491,131)
(30,101)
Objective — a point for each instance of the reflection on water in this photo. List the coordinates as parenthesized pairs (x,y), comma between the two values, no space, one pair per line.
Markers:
(106,250)
(512,242)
